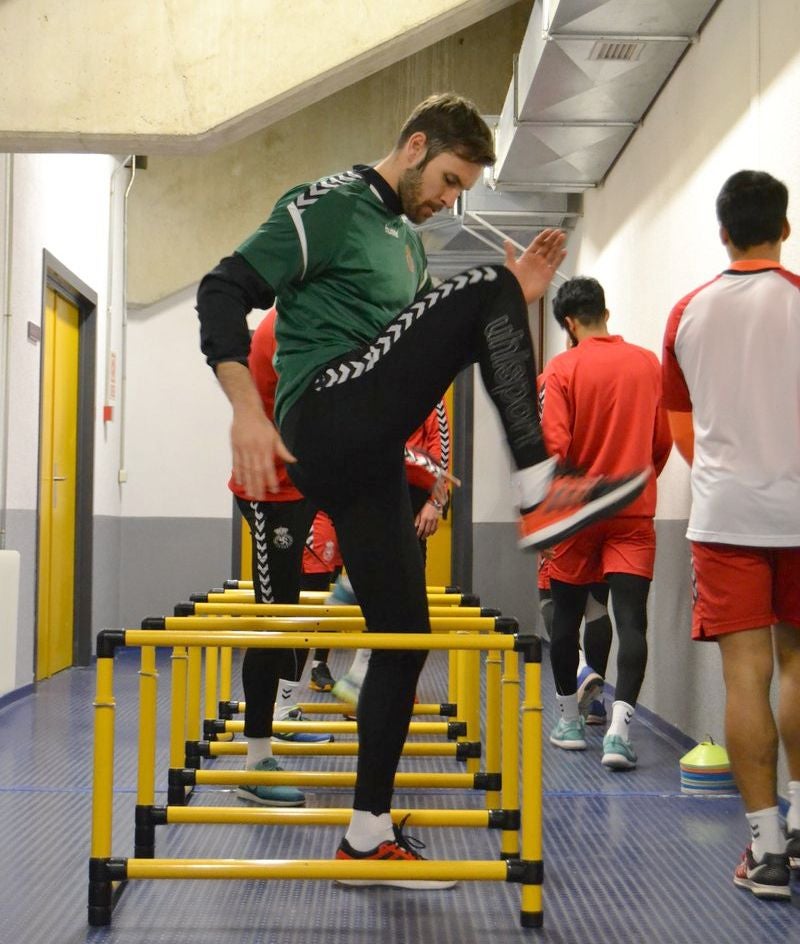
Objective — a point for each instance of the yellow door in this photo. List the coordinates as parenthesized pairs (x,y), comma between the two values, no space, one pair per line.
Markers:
(57,485)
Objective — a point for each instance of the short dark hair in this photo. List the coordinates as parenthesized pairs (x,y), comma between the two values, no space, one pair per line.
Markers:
(582,298)
(752,208)
(451,123)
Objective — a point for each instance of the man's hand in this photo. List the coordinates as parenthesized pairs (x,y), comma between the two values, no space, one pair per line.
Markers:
(537,264)
(255,443)
(427,521)
(254,440)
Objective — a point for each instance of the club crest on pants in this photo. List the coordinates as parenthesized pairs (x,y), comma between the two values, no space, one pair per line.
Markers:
(282,539)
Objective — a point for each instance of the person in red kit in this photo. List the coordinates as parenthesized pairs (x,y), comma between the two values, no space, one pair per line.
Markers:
(278,529)
(732,388)
(601,412)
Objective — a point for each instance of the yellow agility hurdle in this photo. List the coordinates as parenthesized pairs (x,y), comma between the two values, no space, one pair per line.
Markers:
(524,820)
(186,726)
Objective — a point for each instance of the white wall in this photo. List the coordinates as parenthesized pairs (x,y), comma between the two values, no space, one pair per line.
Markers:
(60,203)
(177,448)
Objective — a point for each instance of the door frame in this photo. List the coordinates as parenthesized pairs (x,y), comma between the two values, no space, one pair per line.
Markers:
(57,277)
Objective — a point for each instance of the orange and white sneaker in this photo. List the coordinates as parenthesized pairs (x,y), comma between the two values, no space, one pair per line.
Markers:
(401,848)
(574,501)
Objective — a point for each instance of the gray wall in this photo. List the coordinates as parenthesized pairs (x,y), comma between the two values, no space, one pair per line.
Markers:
(163,560)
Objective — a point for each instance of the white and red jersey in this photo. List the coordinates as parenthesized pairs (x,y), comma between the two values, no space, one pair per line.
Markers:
(600,405)
(428,447)
(732,358)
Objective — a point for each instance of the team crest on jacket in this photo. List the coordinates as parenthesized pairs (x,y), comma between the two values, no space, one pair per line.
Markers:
(410,260)
(282,539)
(327,552)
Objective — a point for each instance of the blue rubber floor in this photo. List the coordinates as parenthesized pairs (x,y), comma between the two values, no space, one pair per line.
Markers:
(628,858)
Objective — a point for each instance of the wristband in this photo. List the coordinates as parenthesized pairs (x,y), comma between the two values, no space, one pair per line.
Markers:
(436,504)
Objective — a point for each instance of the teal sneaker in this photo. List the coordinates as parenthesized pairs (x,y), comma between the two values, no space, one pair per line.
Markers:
(270,795)
(618,753)
(342,593)
(569,735)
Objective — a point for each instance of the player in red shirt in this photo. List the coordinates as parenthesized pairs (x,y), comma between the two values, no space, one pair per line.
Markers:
(278,528)
(732,388)
(601,413)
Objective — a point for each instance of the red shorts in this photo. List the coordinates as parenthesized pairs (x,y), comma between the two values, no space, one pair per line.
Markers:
(323,555)
(615,546)
(736,588)
(544,573)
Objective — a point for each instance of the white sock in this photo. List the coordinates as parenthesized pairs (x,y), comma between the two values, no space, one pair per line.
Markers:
(358,667)
(567,707)
(285,701)
(621,716)
(793,816)
(766,832)
(367,831)
(258,749)
(530,485)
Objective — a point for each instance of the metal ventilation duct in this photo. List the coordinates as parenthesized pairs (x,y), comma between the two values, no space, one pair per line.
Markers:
(587,72)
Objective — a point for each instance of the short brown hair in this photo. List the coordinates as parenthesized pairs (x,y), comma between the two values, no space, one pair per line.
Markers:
(451,123)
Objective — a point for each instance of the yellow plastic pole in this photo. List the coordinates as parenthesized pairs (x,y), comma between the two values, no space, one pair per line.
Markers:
(472,713)
(493,719)
(177,715)
(321,816)
(334,623)
(430,728)
(212,675)
(318,597)
(328,778)
(225,673)
(326,869)
(103,765)
(148,697)
(311,610)
(248,585)
(337,749)
(193,687)
(509,845)
(287,640)
(531,897)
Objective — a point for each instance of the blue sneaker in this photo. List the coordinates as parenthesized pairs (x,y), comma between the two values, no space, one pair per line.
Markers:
(569,735)
(300,737)
(618,753)
(597,713)
(590,688)
(270,795)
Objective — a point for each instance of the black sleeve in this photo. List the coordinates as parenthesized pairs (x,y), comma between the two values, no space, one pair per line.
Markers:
(224,298)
